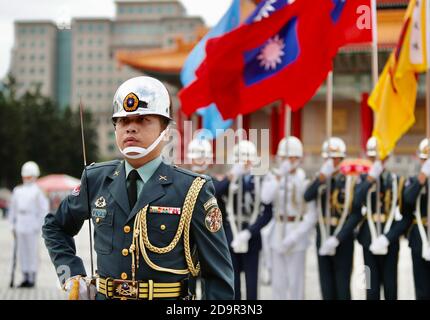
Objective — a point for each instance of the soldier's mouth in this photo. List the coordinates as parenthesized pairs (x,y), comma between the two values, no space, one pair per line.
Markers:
(130,141)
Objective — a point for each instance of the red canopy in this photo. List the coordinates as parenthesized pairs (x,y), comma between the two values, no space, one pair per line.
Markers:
(57,182)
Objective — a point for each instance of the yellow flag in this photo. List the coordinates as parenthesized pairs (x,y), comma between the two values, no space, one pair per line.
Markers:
(393,99)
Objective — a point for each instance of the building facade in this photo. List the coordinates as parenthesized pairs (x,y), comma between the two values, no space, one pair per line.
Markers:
(79,63)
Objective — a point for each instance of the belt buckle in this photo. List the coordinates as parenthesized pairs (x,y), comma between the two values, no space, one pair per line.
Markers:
(125,289)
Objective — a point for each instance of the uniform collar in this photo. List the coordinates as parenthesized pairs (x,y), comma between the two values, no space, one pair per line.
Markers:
(146,171)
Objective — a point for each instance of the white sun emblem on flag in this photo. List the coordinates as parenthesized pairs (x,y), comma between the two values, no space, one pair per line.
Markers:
(265,10)
(271,54)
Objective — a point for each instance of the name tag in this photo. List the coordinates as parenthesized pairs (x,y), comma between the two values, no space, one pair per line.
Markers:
(165,210)
(99,213)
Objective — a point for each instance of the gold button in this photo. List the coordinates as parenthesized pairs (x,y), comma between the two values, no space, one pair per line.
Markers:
(124,276)
(163,227)
(97,220)
(126,229)
(125,252)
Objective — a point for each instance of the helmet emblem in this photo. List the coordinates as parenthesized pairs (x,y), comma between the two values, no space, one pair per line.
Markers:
(131,102)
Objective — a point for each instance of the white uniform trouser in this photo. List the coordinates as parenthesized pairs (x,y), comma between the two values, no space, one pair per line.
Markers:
(288,275)
(28,244)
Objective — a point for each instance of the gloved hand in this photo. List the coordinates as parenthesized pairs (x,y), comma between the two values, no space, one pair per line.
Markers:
(289,242)
(238,170)
(269,189)
(380,245)
(425,168)
(327,168)
(426,253)
(285,167)
(77,289)
(328,248)
(240,242)
(376,169)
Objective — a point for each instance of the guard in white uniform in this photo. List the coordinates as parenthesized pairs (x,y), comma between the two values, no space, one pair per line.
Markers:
(290,226)
(28,207)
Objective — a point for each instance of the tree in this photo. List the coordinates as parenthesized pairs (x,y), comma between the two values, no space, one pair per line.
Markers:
(33,127)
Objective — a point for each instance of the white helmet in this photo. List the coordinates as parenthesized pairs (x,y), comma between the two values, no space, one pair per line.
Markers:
(372,147)
(245,151)
(30,169)
(141,96)
(199,148)
(290,147)
(333,148)
(424,149)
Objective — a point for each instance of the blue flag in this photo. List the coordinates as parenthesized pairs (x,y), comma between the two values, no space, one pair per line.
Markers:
(212,119)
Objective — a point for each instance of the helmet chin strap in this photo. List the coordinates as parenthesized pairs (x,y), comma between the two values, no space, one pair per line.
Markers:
(140,152)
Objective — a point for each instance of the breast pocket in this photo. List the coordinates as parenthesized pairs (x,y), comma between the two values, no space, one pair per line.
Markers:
(162,228)
(103,231)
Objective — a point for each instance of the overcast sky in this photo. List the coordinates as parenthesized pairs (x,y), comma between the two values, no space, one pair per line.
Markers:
(64,10)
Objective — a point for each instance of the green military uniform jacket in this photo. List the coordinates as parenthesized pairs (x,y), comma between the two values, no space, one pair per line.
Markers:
(163,195)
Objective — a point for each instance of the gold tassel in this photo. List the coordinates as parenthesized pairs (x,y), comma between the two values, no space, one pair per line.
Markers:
(74,292)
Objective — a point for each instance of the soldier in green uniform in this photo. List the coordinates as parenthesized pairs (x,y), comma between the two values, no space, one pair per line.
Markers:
(415,211)
(333,192)
(154,224)
(379,231)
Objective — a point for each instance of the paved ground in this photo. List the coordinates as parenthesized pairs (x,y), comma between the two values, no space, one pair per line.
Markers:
(47,285)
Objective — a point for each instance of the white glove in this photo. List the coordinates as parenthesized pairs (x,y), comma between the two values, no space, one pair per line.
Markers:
(327,168)
(269,189)
(240,242)
(380,245)
(425,168)
(376,169)
(238,170)
(426,253)
(328,248)
(289,242)
(285,167)
(86,292)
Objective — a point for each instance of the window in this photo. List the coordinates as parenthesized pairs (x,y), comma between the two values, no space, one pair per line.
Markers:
(90,42)
(42,30)
(42,44)
(130,10)
(23,44)
(99,95)
(100,41)
(42,57)
(80,68)
(90,27)
(79,82)
(22,70)
(89,82)
(90,55)
(32,44)
(23,30)
(80,42)
(89,95)
(111,135)
(22,57)
(99,68)
(100,55)
(41,70)
(32,57)
(90,69)
(81,28)
(80,55)
(100,27)
(31,70)
(111,148)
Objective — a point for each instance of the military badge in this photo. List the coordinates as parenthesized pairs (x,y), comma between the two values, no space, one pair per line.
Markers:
(100,202)
(131,102)
(99,213)
(76,191)
(165,210)
(213,219)
(210,203)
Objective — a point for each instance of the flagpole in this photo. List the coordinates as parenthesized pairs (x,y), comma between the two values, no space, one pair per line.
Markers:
(329,127)
(428,129)
(287,124)
(240,190)
(375,75)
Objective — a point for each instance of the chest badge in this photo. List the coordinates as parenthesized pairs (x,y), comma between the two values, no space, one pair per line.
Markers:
(100,202)
(163,178)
